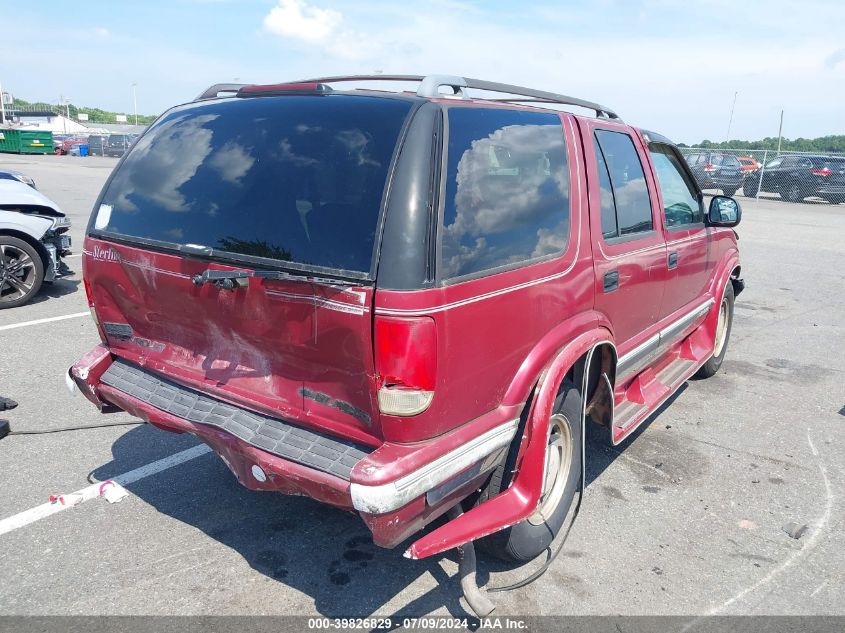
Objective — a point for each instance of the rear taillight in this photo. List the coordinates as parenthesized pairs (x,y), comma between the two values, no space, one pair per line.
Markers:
(709,167)
(92,309)
(406,363)
(821,172)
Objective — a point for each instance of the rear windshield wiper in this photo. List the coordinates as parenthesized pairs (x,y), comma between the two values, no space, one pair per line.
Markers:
(231,279)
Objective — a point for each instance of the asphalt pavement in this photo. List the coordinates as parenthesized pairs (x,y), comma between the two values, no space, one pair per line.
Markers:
(687,517)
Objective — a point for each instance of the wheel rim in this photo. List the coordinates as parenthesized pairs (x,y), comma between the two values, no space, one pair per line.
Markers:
(558,463)
(794,193)
(721,328)
(17,273)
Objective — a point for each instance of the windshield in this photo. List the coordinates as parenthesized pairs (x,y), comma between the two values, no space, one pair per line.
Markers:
(298,179)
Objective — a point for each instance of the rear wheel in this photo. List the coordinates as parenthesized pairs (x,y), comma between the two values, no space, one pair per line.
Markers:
(723,333)
(530,537)
(749,188)
(793,193)
(729,192)
(21,272)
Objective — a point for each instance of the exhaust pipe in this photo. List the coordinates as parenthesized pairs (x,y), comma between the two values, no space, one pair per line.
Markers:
(476,597)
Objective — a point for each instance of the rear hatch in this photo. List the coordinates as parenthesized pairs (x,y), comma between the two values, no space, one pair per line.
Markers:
(234,250)
(832,170)
(729,168)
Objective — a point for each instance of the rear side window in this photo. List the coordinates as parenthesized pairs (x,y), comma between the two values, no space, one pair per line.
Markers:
(507,190)
(295,179)
(617,154)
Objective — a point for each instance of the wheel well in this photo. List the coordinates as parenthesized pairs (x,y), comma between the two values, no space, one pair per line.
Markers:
(599,391)
(736,281)
(38,246)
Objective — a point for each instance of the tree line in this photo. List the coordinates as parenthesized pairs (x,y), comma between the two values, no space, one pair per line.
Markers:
(822,144)
(95,115)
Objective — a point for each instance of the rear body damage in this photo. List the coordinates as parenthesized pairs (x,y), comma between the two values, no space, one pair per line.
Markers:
(398,303)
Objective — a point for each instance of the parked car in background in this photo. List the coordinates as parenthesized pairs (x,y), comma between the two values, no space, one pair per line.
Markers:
(796,177)
(715,170)
(118,144)
(97,145)
(67,145)
(33,241)
(58,139)
(318,310)
(11,174)
(749,164)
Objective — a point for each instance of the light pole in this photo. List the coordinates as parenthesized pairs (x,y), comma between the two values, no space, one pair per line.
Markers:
(731,119)
(2,107)
(65,101)
(135,102)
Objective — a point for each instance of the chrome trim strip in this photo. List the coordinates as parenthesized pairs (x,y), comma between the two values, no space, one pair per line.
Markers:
(637,355)
(321,302)
(642,353)
(395,494)
(670,332)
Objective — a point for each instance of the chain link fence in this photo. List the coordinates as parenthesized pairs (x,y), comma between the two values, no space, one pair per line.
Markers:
(791,176)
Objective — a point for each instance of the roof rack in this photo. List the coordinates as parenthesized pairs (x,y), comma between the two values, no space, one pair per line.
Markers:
(430,87)
(214,91)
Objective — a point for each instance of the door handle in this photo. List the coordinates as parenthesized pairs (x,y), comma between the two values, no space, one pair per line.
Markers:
(673,260)
(611,281)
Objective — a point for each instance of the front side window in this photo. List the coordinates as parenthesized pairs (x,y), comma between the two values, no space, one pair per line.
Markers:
(507,190)
(776,162)
(630,192)
(680,200)
(293,179)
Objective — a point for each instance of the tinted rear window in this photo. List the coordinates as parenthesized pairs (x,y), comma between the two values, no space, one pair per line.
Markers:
(297,179)
(507,190)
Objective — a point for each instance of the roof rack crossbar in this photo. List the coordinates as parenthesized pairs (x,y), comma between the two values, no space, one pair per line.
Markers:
(213,91)
(430,87)
(540,96)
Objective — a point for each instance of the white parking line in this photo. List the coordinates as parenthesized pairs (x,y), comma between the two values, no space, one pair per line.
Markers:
(40,321)
(72,255)
(92,492)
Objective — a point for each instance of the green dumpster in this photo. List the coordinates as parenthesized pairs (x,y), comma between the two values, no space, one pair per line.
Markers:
(25,141)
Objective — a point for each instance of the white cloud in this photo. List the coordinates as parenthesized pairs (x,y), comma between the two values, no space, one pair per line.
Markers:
(835,58)
(297,20)
(102,32)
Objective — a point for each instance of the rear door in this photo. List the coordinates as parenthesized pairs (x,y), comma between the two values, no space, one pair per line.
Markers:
(291,184)
(629,251)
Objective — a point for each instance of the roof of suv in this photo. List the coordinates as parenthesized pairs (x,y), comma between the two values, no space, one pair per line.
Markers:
(430,87)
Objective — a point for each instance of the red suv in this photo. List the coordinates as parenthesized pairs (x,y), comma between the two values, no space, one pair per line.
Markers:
(405,304)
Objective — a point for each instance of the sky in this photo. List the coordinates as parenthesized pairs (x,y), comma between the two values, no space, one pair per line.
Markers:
(672,66)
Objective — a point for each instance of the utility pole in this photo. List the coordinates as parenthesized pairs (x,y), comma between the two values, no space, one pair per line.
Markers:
(64,102)
(731,119)
(2,106)
(780,131)
(135,102)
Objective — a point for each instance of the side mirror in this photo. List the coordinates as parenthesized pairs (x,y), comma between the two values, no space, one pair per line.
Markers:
(724,211)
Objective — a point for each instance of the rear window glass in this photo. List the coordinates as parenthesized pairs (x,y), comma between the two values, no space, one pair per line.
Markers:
(630,192)
(507,190)
(297,179)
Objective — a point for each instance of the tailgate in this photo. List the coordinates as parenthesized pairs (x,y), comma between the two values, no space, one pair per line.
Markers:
(299,350)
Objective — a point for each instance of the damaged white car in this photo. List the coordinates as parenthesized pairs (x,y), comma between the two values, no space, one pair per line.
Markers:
(33,239)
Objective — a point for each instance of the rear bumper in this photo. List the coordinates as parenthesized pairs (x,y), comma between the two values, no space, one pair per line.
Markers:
(836,190)
(396,488)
